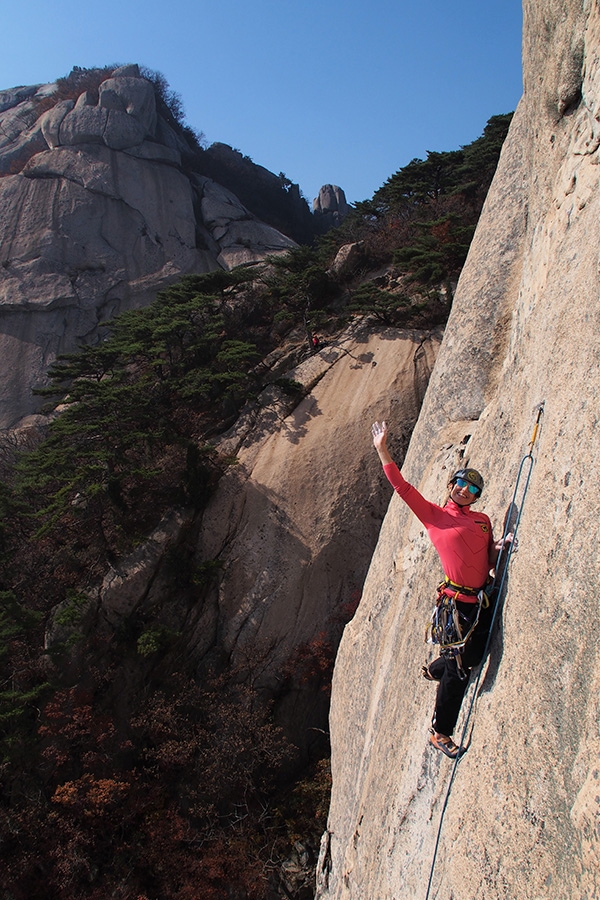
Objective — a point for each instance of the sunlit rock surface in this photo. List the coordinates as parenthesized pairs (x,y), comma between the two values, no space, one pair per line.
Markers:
(523,816)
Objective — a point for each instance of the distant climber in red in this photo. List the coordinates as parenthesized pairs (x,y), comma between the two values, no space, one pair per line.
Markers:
(465,544)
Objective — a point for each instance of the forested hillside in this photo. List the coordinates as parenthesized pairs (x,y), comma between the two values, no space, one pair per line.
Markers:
(127,769)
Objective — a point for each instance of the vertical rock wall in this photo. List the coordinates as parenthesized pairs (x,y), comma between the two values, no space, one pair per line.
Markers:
(523,817)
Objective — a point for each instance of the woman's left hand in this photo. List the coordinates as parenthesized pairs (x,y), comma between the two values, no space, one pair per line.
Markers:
(509,539)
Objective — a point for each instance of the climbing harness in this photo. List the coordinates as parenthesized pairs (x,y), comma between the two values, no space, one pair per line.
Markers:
(448,624)
(459,588)
(506,551)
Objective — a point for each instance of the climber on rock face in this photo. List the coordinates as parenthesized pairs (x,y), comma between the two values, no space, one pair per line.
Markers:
(465,544)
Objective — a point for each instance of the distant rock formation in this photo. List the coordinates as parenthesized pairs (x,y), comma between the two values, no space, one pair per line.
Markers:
(523,816)
(273,198)
(96,215)
(330,207)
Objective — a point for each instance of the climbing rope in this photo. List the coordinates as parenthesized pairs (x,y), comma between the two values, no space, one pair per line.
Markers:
(524,473)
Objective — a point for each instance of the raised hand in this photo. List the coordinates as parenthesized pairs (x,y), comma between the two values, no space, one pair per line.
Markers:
(379,430)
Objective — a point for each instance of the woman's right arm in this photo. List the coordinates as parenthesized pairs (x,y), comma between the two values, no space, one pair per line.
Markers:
(424,510)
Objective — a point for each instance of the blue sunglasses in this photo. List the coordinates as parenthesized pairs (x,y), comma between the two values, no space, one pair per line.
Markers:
(461,483)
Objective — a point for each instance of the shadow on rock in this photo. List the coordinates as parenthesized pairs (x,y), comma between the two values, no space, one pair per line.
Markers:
(496,649)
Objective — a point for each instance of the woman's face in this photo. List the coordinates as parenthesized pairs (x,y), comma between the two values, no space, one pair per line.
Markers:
(462,495)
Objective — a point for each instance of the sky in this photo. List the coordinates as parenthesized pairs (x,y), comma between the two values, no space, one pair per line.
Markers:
(343,92)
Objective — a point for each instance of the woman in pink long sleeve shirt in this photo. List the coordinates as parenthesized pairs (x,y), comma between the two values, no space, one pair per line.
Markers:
(465,544)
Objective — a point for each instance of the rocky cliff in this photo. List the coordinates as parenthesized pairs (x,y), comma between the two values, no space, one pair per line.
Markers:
(99,209)
(523,815)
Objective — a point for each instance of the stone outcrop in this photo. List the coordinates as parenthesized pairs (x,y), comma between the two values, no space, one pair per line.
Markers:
(523,815)
(134,584)
(240,237)
(347,259)
(330,207)
(273,198)
(96,215)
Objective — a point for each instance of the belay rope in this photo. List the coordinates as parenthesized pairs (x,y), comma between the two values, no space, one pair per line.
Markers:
(504,557)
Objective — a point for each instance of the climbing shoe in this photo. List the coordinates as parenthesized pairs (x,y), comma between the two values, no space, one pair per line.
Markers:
(446,745)
(427,674)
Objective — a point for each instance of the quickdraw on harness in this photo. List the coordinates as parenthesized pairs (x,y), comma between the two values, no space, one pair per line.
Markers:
(449,627)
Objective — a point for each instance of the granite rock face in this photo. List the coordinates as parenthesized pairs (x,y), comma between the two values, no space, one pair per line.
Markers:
(523,815)
(96,215)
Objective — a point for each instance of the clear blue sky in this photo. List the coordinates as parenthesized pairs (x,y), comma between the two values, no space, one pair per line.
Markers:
(338,91)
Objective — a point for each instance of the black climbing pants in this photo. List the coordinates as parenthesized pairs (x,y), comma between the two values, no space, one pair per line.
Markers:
(452,687)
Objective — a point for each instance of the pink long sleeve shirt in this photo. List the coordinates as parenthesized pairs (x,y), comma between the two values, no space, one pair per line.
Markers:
(462,536)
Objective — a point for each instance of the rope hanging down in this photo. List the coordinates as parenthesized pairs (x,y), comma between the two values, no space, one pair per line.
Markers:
(525,470)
